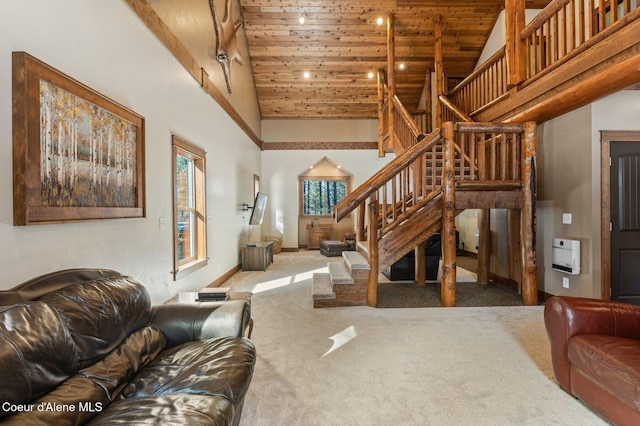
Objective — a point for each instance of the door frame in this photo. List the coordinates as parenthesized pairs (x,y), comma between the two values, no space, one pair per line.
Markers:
(606,137)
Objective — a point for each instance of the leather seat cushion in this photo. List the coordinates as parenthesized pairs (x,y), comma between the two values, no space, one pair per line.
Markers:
(613,362)
(177,409)
(91,390)
(220,367)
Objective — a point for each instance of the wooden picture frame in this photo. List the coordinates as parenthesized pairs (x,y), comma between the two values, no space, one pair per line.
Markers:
(77,155)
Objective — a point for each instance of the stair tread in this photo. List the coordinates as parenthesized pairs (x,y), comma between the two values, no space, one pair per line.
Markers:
(339,274)
(355,260)
(321,286)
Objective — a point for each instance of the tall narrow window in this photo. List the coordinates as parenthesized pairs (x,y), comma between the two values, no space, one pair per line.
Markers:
(190,245)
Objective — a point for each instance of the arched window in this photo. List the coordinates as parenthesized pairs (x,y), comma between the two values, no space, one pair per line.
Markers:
(321,187)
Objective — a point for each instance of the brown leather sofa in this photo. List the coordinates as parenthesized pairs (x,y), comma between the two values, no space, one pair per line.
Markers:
(86,346)
(595,351)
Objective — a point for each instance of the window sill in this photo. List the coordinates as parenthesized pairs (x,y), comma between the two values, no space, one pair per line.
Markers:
(190,267)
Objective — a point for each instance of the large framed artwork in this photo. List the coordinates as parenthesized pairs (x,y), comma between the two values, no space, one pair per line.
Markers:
(77,155)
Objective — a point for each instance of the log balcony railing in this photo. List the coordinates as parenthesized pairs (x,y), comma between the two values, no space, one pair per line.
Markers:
(564,30)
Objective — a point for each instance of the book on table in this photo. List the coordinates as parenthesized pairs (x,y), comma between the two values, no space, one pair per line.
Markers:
(209,294)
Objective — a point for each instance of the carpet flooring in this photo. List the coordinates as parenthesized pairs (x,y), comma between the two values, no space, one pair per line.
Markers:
(417,366)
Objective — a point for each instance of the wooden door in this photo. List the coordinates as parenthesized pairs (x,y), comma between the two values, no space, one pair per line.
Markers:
(625,221)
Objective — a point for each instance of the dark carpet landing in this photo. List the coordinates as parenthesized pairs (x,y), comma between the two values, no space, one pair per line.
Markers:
(468,294)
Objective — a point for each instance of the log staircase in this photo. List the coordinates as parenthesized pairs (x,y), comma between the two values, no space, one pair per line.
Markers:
(463,165)
(570,48)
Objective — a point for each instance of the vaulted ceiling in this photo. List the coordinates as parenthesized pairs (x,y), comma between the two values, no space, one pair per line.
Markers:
(340,43)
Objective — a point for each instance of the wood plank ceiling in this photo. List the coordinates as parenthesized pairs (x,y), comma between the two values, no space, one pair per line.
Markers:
(340,43)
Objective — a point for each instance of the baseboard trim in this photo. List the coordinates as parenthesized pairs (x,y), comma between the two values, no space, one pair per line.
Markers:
(224,278)
(504,281)
(290,249)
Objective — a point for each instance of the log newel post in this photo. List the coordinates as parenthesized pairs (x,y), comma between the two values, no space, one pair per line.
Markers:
(428,103)
(381,129)
(391,76)
(360,233)
(528,228)
(372,247)
(448,287)
(439,69)
(515,48)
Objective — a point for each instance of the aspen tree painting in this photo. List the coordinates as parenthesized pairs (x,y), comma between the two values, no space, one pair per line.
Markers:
(77,155)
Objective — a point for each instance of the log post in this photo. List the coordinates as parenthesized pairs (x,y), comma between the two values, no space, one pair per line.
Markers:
(515,260)
(381,129)
(391,76)
(484,245)
(372,248)
(448,287)
(360,228)
(529,269)
(420,275)
(439,69)
(484,223)
(428,103)
(515,47)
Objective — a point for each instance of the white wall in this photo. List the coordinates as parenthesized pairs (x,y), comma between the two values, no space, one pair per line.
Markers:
(106,46)
(281,168)
(280,180)
(497,37)
(569,182)
(192,24)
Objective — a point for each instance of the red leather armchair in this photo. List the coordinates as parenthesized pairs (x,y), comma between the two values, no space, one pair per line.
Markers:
(595,351)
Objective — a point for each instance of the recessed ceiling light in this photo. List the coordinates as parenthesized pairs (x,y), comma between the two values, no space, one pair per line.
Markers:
(302,19)
(370,74)
(380,20)
(306,74)
(401,66)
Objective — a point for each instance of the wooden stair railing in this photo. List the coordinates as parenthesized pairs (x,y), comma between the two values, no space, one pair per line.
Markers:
(391,180)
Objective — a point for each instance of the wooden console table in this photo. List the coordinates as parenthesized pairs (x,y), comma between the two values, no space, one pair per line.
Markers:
(317,234)
(257,256)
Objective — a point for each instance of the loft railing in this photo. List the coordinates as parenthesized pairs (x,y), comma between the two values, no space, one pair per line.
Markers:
(560,32)
(566,28)
(485,85)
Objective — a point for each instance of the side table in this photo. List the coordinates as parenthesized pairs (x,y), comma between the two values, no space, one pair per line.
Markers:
(257,256)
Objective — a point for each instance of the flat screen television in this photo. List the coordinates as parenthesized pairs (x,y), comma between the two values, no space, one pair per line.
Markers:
(259,207)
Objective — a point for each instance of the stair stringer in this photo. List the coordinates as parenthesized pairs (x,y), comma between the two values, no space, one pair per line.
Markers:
(414,230)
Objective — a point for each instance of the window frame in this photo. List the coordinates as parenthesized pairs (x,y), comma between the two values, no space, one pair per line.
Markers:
(199,259)
(345,178)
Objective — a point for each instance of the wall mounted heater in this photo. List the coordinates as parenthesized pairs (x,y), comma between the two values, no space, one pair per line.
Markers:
(565,256)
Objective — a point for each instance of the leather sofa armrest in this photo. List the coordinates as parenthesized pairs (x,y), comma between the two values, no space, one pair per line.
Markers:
(184,322)
(566,317)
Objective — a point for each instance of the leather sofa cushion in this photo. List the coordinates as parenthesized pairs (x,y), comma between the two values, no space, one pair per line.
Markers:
(36,352)
(612,362)
(221,367)
(100,314)
(177,409)
(92,389)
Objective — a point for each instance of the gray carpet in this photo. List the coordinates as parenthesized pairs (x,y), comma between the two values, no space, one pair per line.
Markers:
(409,295)
(364,366)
